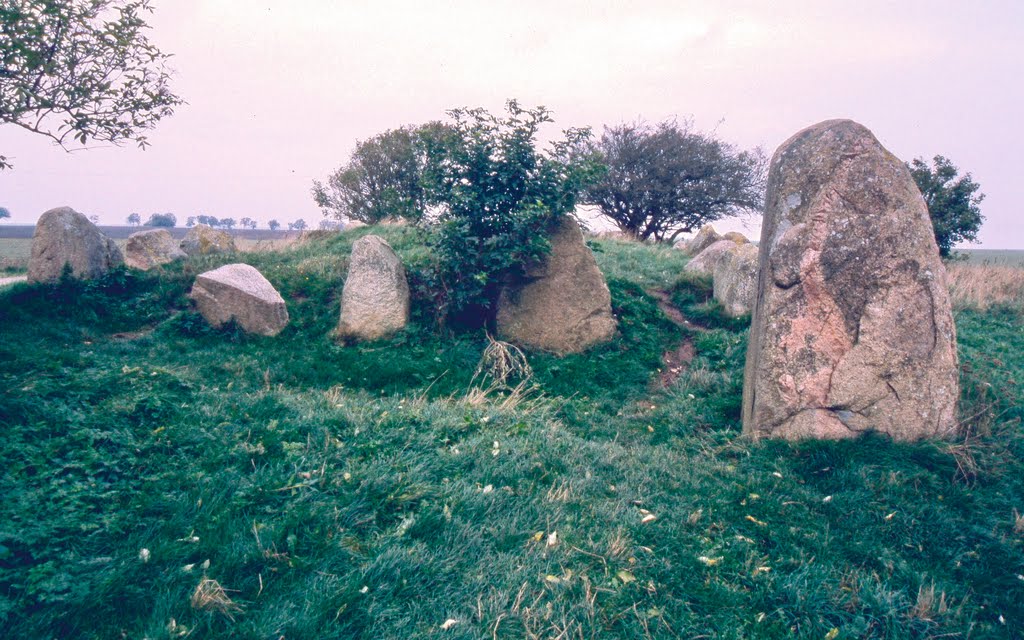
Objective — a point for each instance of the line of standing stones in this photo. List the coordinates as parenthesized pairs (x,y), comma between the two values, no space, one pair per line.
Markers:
(852,329)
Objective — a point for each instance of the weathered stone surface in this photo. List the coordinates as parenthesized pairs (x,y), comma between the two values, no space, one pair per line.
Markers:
(150,248)
(706,237)
(736,237)
(563,305)
(705,262)
(202,240)
(240,291)
(735,279)
(852,328)
(375,301)
(64,236)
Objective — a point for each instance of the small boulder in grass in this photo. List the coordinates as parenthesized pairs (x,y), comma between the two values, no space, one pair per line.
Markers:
(735,280)
(151,248)
(203,240)
(705,262)
(706,237)
(736,237)
(239,292)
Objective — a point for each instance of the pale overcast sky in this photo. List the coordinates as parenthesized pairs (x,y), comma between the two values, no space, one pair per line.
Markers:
(279,91)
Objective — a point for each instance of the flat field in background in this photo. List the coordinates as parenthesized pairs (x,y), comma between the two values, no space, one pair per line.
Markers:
(995,257)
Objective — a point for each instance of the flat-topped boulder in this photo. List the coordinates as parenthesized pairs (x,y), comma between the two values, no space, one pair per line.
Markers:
(735,279)
(203,240)
(151,248)
(852,329)
(239,292)
(375,300)
(704,263)
(562,304)
(736,237)
(65,237)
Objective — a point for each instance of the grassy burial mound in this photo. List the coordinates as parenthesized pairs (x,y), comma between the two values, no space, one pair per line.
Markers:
(162,479)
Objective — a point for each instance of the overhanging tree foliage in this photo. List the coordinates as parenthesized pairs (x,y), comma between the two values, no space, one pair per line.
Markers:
(666,179)
(952,203)
(78,71)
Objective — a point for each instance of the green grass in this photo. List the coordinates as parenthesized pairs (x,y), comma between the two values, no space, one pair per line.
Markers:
(366,492)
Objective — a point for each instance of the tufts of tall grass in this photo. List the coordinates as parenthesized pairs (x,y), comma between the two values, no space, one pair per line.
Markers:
(982,286)
(165,480)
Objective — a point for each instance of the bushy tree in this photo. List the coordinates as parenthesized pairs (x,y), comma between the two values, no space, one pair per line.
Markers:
(382,179)
(77,71)
(209,221)
(227,223)
(134,219)
(953,201)
(298,225)
(493,198)
(666,179)
(162,220)
(190,222)
(273,225)
(4,213)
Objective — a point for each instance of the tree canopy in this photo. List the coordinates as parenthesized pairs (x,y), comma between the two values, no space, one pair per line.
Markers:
(80,71)
(5,212)
(666,179)
(383,177)
(492,197)
(953,201)
(162,220)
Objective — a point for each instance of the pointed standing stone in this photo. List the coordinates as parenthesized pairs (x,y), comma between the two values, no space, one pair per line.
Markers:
(563,305)
(375,301)
(852,327)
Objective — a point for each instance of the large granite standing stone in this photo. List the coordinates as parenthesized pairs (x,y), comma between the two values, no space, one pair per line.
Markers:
(65,237)
(240,292)
(375,300)
(852,328)
(203,240)
(563,304)
(735,280)
(151,248)
(704,263)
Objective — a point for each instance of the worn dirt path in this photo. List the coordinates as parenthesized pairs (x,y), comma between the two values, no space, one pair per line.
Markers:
(674,362)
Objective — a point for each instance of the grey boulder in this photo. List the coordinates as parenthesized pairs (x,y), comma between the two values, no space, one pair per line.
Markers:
(151,248)
(65,237)
(239,292)
(375,300)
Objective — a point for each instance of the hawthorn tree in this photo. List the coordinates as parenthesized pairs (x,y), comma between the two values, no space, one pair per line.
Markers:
(666,179)
(492,198)
(953,201)
(134,219)
(383,177)
(273,225)
(298,225)
(80,71)
(228,223)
